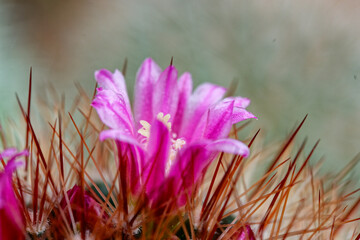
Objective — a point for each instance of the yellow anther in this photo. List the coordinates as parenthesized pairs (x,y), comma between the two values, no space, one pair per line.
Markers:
(164,119)
(178,144)
(175,147)
(145,130)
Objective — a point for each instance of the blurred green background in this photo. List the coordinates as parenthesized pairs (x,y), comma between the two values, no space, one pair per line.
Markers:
(290,57)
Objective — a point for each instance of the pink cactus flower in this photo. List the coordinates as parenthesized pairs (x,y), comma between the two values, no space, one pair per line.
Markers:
(173,134)
(12,220)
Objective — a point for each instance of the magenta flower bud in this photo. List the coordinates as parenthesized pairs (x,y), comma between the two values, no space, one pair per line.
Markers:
(12,220)
(246,234)
(83,205)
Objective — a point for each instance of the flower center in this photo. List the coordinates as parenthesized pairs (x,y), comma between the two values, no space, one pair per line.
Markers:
(176,143)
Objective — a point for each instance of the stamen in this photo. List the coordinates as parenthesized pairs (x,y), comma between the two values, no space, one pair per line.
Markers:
(165,119)
(145,130)
(175,147)
(176,144)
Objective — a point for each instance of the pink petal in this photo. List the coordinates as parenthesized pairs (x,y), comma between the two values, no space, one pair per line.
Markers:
(204,96)
(189,168)
(12,165)
(239,101)
(131,155)
(111,81)
(9,152)
(158,152)
(132,158)
(119,135)
(219,120)
(198,132)
(192,162)
(146,77)
(166,95)
(112,110)
(240,114)
(185,88)
(165,197)
(229,146)
(115,82)
(12,221)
